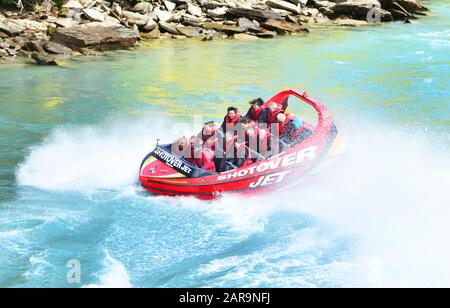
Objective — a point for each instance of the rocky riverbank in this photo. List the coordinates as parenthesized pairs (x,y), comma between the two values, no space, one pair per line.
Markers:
(92,26)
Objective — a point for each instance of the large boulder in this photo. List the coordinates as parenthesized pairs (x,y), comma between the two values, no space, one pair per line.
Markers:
(284,5)
(99,36)
(168,27)
(94,15)
(189,31)
(43,59)
(369,10)
(58,49)
(136,18)
(170,6)
(254,14)
(283,27)
(222,28)
(11,27)
(409,5)
(248,25)
(143,7)
(194,10)
(163,15)
(217,12)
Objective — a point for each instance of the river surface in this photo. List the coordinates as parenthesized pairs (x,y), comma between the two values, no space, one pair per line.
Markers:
(72,139)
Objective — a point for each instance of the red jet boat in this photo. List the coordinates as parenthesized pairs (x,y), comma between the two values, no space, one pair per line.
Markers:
(165,173)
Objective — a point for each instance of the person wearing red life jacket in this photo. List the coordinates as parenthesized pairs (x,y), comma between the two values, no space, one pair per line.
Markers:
(288,125)
(208,135)
(230,120)
(208,130)
(199,156)
(257,112)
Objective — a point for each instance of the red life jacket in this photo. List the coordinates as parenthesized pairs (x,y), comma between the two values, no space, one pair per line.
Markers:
(233,120)
(207,136)
(205,161)
(272,119)
(255,114)
(272,116)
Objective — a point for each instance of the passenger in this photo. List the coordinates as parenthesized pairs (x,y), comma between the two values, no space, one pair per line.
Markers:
(208,135)
(208,130)
(257,112)
(200,156)
(288,126)
(232,117)
(243,157)
(275,115)
(181,147)
(206,160)
(225,162)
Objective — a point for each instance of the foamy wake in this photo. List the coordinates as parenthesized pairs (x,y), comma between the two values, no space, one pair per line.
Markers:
(115,275)
(90,158)
(390,191)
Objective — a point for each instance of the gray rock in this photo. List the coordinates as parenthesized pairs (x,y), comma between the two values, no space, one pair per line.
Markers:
(283,27)
(163,16)
(222,28)
(217,12)
(293,19)
(135,18)
(72,4)
(100,36)
(168,27)
(313,12)
(94,15)
(5,44)
(55,48)
(208,35)
(361,10)
(211,5)
(11,27)
(3,53)
(143,7)
(328,4)
(189,31)
(34,45)
(111,20)
(411,6)
(150,25)
(254,14)
(170,6)
(66,22)
(248,25)
(194,10)
(301,2)
(154,34)
(11,52)
(116,9)
(284,5)
(43,59)
(188,19)
(266,34)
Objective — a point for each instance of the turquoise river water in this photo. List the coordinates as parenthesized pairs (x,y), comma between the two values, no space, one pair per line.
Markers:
(72,139)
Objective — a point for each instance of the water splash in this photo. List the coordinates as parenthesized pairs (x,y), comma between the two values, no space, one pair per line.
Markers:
(115,275)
